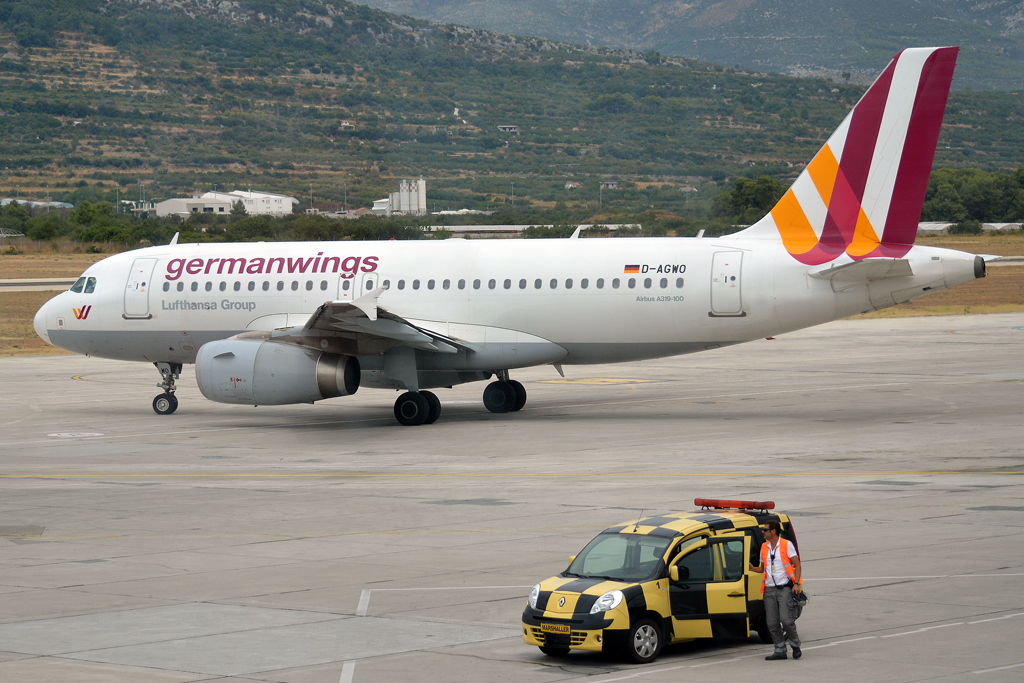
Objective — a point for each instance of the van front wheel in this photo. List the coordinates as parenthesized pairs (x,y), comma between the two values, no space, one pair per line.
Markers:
(644,642)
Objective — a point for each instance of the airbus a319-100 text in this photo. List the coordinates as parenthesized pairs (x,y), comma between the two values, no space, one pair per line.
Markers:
(280,323)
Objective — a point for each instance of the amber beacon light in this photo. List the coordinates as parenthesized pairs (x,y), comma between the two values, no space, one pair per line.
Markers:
(734,504)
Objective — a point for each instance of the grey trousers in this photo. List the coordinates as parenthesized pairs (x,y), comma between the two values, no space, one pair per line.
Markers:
(781,621)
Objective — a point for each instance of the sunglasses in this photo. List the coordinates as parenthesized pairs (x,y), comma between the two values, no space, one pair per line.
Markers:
(767,529)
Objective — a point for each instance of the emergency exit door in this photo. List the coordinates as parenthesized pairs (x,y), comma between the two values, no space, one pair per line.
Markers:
(136,292)
(726,289)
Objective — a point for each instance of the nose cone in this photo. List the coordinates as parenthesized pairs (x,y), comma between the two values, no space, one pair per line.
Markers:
(39,322)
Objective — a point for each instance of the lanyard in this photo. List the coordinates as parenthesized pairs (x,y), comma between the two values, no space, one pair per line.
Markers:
(771,563)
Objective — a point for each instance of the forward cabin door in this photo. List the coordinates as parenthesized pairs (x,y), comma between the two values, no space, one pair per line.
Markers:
(136,292)
(710,597)
(726,269)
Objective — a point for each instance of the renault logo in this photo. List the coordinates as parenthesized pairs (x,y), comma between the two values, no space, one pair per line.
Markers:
(561,602)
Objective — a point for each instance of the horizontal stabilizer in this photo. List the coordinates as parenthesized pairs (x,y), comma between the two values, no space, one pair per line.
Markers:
(866,269)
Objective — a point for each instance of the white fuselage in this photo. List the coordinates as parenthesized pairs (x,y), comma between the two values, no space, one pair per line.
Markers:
(162,304)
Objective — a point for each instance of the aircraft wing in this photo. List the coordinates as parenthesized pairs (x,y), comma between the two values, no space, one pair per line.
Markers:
(866,269)
(363,321)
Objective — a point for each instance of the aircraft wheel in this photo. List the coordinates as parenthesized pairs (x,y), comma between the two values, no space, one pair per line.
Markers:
(165,404)
(499,397)
(520,395)
(434,405)
(411,409)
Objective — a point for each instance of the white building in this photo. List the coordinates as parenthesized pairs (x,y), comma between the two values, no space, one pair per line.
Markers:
(410,200)
(184,207)
(257,203)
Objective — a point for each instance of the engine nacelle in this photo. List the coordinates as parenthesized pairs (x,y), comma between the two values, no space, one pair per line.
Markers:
(258,372)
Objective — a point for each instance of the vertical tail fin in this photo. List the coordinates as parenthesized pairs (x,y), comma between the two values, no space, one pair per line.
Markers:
(862,193)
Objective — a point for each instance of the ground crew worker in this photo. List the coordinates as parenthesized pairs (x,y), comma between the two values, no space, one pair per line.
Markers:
(780,565)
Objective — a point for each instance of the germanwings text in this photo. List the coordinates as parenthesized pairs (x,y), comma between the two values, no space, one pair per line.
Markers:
(348,266)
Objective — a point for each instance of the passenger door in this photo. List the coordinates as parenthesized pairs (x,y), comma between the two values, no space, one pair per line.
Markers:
(709,594)
(136,292)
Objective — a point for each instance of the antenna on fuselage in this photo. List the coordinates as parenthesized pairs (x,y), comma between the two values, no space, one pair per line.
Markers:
(174,240)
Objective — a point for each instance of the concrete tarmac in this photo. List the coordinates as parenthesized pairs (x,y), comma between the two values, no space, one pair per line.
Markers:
(326,543)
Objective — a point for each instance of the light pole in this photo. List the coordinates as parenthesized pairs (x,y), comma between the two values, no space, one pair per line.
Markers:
(513,193)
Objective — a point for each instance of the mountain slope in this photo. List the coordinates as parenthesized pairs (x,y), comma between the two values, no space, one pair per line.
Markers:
(798,37)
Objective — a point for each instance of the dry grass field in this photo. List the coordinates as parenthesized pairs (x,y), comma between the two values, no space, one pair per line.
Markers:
(1002,291)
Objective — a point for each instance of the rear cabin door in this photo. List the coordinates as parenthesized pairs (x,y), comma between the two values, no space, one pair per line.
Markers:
(136,292)
(710,597)
(726,268)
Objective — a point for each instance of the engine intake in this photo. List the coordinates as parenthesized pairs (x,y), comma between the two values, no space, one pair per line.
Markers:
(258,372)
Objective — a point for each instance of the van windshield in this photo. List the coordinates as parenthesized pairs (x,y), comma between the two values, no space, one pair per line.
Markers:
(620,557)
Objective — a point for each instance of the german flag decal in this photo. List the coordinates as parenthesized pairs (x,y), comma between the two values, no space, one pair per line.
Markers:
(632,269)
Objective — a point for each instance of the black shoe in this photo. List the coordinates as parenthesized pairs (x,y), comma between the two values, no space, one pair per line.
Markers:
(775,655)
(797,653)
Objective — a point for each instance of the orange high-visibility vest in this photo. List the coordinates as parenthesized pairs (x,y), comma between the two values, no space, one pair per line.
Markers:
(783,548)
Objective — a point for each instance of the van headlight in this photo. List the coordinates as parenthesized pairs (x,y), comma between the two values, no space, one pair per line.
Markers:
(534,594)
(609,600)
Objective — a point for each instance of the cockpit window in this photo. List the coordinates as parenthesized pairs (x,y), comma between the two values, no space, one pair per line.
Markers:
(90,285)
(77,287)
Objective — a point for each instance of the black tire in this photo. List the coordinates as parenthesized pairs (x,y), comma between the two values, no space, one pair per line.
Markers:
(411,409)
(520,395)
(555,651)
(499,397)
(165,404)
(434,404)
(645,641)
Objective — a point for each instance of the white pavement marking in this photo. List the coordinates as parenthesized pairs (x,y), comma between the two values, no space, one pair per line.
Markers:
(348,670)
(1008,616)
(364,603)
(922,630)
(839,642)
(912,576)
(998,668)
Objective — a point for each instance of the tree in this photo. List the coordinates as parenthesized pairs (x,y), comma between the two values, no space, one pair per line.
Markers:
(846,76)
(238,209)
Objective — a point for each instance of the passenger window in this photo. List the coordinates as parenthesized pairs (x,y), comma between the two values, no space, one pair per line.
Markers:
(323,285)
(476,284)
(632,283)
(679,283)
(77,287)
(401,284)
(568,283)
(615,283)
(647,283)
(430,284)
(600,283)
(446,284)
(195,286)
(491,284)
(584,282)
(415,284)
(295,285)
(508,284)
(90,286)
(697,567)
(386,284)
(181,286)
(238,286)
(664,283)
(280,285)
(252,286)
(309,285)
(537,284)
(266,286)
(522,284)
(223,286)
(462,284)
(209,287)
(167,286)
(554,283)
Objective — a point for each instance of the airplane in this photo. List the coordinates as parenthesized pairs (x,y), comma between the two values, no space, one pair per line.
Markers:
(286,323)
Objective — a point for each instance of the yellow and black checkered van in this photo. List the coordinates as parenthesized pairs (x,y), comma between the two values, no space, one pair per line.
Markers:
(657,580)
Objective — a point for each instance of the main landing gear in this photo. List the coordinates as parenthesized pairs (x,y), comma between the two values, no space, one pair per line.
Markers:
(166,403)
(504,396)
(417,408)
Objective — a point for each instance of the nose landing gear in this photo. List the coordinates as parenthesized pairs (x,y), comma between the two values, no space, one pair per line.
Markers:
(166,403)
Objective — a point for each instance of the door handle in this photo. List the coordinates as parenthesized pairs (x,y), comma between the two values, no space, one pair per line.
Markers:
(737,595)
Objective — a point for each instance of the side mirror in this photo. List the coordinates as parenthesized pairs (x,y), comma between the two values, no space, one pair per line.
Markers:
(673,573)
(571,558)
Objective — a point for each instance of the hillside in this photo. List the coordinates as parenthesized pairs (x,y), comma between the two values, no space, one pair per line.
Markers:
(341,100)
(797,37)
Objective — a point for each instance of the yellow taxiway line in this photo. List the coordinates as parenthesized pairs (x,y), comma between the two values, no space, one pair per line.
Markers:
(494,475)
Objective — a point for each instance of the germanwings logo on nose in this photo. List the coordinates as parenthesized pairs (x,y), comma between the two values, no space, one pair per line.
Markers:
(82,313)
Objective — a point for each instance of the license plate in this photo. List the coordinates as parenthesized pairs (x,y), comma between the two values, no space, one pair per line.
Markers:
(555,628)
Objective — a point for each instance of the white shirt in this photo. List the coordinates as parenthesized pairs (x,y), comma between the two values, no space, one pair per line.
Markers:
(776,570)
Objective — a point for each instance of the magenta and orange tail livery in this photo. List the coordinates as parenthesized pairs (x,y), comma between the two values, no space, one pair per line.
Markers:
(862,193)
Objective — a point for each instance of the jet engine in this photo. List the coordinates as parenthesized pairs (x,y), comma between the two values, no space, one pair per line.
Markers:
(259,372)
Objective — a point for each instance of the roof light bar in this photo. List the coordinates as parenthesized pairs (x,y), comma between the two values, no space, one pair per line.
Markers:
(734,504)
